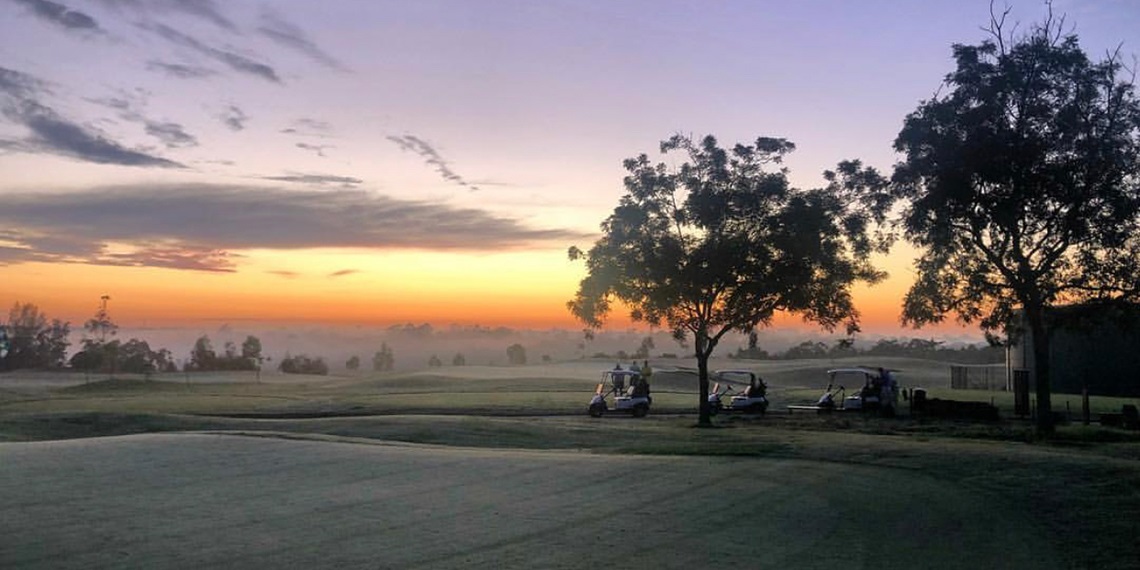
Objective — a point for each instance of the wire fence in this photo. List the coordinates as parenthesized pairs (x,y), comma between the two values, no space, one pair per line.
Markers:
(978,377)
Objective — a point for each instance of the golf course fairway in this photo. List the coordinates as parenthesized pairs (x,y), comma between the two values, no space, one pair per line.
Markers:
(196,500)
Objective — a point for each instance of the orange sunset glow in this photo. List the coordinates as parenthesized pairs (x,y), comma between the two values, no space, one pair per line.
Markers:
(388,163)
(411,287)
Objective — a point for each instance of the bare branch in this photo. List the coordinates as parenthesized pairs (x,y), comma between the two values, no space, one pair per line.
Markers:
(996,24)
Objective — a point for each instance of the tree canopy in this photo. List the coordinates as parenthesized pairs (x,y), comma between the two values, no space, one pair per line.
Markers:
(516,354)
(722,243)
(31,340)
(204,358)
(384,359)
(1020,187)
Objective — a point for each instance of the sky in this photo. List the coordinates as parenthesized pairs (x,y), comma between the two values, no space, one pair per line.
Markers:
(360,162)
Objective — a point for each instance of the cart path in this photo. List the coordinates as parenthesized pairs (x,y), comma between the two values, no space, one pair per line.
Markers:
(204,500)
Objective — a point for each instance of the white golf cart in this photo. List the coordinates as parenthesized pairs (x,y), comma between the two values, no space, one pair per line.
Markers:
(628,391)
(748,392)
(878,390)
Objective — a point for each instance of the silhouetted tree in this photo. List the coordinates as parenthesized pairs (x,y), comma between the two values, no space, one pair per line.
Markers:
(721,244)
(642,351)
(434,361)
(203,357)
(136,357)
(100,351)
(86,360)
(383,360)
(100,327)
(32,340)
(516,354)
(807,349)
(251,352)
(302,364)
(753,351)
(842,348)
(1020,186)
(353,363)
(459,360)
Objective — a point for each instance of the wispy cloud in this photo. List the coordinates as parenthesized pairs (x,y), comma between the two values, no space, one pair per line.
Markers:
(284,273)
(233,117)
(432,158)
(8,146)
(53,134)
(170,257)
(343,273)
(318,149)
(316,179)
(60,15)
(236,62)
(179,70)
(284,33)
(201,226)
(50,133)
(309,128)
(65,249)
(207,10)
(20,85)
(173,135)
(130,107)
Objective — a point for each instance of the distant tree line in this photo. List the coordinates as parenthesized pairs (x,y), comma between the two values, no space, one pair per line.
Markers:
(302,364)
(28,340)
(912,348)
(203,357)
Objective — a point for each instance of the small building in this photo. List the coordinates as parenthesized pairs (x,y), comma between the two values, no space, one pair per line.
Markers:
(1091,346)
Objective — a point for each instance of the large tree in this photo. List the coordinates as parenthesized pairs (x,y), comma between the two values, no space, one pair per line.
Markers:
(251,352)
(722,243)
(32,340)
(100,351)
(1020,186)
(516,354)
(203,356)
(384,359)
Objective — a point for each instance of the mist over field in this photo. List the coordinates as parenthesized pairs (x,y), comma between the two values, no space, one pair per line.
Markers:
(414,344)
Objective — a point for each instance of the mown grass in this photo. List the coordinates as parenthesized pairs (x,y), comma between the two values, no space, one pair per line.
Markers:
(1083,485)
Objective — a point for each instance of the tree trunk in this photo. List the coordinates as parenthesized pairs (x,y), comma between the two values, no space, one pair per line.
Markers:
(1036,317)
(704,418)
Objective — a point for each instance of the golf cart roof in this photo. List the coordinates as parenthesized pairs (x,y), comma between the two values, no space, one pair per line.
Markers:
(623,372)
(722,373)
(855,370)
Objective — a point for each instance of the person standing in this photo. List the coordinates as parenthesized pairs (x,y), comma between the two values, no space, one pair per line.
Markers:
(646,371)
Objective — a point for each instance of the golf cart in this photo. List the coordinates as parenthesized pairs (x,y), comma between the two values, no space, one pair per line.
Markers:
(628,391)
(751,399)
(878,390)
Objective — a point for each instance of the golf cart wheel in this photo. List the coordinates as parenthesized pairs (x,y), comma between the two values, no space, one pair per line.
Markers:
(714,410)
(640,411)
(757,409)
(595,411)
